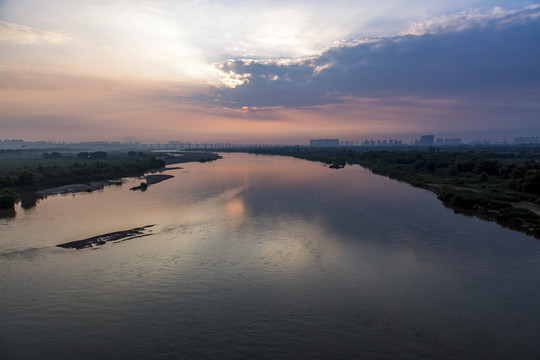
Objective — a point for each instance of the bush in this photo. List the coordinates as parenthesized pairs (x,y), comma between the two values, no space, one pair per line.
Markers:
(506,170)
(465,166)
(7,201)
(419,164)
(27,179)
(452,170)
(29,200)
(531,182)
(53,155)
(431,165)
(490,167)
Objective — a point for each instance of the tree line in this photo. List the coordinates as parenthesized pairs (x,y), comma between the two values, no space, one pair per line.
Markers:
(14,183)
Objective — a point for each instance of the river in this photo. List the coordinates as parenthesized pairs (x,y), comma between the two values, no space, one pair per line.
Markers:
(266,257)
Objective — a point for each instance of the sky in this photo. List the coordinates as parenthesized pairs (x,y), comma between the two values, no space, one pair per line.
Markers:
(268,72)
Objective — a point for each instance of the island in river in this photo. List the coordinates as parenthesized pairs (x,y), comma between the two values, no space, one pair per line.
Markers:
(117,236)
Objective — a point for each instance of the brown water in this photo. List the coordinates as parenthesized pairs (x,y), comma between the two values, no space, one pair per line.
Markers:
(266,257)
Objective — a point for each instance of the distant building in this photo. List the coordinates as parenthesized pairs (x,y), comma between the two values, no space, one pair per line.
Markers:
(526,140)
(324,142)
(480,142)
(448,141)
(93,143)
(389,142)
(426,140)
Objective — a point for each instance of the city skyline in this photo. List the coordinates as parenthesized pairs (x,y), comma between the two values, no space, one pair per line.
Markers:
(420,141)
(268,72)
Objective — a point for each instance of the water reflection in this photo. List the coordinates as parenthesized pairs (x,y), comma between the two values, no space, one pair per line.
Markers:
(235,208)
(266,257)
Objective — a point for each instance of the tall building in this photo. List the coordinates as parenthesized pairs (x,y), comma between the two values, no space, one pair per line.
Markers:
(426,140)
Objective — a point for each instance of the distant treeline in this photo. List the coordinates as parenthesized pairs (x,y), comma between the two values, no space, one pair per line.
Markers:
(519,171)
(96,155)
(14,183)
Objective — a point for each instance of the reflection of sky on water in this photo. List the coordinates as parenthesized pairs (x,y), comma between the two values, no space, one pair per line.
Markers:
(258,254)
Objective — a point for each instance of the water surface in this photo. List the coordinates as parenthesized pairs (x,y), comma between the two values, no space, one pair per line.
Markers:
(266,257)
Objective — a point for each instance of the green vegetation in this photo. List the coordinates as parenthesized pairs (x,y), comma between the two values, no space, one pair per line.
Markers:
(47,170)
(497,184)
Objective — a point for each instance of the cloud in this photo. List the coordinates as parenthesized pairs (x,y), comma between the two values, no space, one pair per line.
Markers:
(475,53)
(22,34)
(476,18)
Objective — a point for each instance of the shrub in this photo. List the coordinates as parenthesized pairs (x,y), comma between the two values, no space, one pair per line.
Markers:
(452,170)
(465,166)
(490,167)
(431,165)
(7,201)
(483,177)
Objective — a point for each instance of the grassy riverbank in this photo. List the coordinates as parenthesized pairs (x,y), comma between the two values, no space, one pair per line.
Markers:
(496,184)
(37,170)
(23,172)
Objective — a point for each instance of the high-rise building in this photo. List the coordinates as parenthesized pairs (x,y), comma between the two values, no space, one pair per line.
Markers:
(426,140)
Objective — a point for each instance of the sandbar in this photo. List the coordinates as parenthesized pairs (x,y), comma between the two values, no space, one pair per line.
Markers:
(73,188)
(116,237)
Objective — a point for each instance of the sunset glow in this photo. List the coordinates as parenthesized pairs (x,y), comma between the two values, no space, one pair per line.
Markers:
(268,72)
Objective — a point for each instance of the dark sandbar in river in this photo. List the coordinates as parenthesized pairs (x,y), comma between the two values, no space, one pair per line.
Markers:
(116,236)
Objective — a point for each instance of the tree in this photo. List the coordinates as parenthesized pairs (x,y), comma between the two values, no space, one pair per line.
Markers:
(53,155)
(27,179)
(431,165)
(7,201)
(483,177)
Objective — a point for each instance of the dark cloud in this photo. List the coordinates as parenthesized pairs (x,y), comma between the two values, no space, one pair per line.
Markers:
(492,56)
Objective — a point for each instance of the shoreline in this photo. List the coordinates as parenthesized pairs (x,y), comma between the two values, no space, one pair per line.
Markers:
(28,185)
(499,216)
(74,188)
(190,156)
(151,178)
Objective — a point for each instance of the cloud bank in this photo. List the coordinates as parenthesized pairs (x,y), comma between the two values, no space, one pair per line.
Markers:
(493,52)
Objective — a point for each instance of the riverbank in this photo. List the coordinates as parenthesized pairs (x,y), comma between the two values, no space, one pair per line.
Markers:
(500,185)
(73,188)
(179,157)
(88,172)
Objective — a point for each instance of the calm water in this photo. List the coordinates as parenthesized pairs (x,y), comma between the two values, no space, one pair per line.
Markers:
(266,257)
